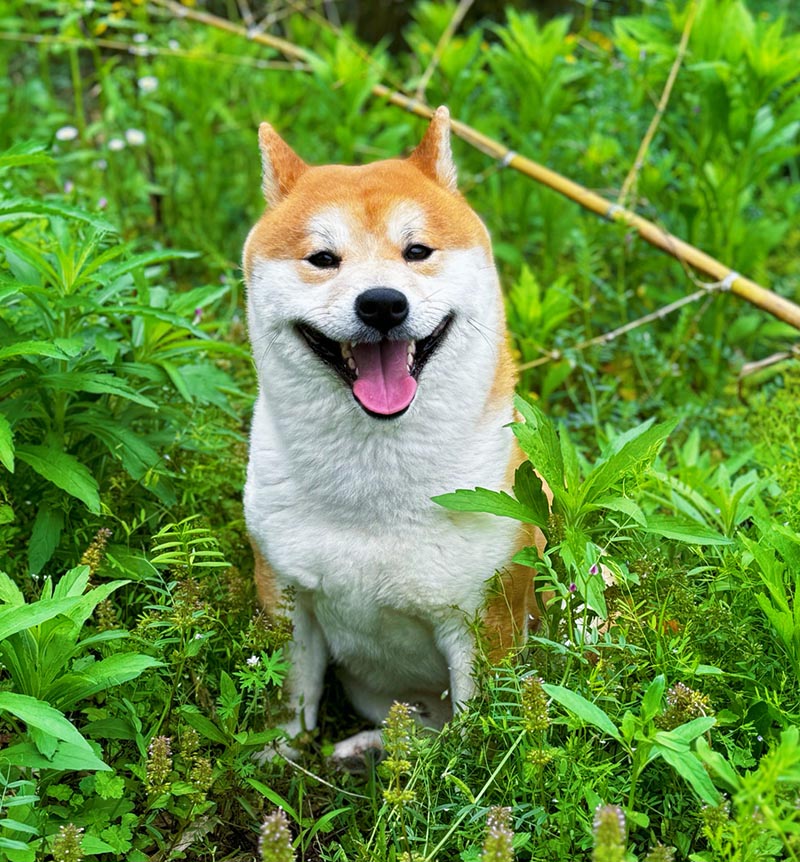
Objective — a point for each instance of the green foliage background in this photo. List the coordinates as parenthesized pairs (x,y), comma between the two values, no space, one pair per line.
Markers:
(137,682)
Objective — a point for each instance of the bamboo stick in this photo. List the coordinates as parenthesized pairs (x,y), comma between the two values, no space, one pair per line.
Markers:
(724,277)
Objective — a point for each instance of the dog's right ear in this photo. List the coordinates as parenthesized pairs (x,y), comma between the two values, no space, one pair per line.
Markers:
(281,165)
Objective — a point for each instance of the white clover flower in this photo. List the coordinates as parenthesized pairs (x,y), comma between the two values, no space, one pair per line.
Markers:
(148,84)
(253,661)
(135,137)
(116,144)
(67,133)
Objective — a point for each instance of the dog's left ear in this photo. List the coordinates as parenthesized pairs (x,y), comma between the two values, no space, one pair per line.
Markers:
(433,155)
(281,166)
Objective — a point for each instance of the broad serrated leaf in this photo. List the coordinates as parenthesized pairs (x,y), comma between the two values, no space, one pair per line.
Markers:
(624,505)
(538,438)
(97,383)
(683,530)
(32,348)
(114,670)
(628,454)
(64,471)
(28,208)
(490,502)
(582,708)
(529,491)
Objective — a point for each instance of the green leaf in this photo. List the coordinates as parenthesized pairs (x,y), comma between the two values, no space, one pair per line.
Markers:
(64,471)
(624,505)
(28,208)
(6,444)
(538,438)
(583,709)
(10,593)
(204,726)
(528,490)
(112,671)
(684,530)
(651,702)
(94,846)
(25,153)
(718,765)
(491,502)
(67,757)
(36,713)
(99,384)
(18,618)
(689,768)
(629,453)
(690,730)
(32,348)
(45,535)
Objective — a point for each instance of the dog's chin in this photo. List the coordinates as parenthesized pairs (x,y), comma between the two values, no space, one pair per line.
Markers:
(383,376)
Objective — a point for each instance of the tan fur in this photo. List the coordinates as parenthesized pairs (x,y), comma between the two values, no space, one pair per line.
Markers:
(266,587)
(367,193)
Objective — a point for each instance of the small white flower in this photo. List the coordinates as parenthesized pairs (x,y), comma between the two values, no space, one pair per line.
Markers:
(198,637)
(88,6)
(100,164)
(69,187)
(253,661)
(140,37)
(148,84)
(67,133)
(173,44)
(116,144)
(135,137)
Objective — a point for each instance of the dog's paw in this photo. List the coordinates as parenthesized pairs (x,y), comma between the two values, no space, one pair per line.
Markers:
(352,754)
(279,750)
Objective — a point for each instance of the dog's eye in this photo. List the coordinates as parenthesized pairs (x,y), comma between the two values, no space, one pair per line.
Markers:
(324,260)
(417,252)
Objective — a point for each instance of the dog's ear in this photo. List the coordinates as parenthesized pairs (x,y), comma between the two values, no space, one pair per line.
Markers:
(433,155)
(281,165)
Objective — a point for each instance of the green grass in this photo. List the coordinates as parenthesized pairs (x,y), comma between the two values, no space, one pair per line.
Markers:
(137,677)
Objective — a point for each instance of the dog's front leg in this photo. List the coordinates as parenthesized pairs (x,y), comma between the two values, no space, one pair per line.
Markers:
(308,657)
(457,644)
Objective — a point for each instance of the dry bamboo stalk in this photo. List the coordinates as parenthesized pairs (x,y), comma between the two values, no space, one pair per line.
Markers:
(729,279)
(633,173)
(444,40)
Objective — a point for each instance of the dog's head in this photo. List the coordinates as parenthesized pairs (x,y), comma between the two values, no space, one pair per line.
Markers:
(375,283)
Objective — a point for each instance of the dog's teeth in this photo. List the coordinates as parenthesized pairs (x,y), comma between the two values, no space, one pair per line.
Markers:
(346,351)
(351,363)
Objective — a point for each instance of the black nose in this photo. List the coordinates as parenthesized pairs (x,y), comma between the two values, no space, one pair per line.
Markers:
(382,307)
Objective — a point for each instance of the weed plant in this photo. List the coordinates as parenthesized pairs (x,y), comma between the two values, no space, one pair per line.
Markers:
(653,713)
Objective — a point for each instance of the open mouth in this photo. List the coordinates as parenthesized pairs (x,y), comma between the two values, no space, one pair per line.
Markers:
(383,374)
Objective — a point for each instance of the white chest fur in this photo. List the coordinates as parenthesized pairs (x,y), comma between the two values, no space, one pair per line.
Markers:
(340,505)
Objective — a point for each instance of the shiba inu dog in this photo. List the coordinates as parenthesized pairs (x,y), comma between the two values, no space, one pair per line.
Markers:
(385,378)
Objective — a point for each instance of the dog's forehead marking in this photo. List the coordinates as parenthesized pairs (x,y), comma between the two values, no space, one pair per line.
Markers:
(331,227)
(404,221)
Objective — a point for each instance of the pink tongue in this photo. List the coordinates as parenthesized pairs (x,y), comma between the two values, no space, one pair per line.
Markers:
(384,385)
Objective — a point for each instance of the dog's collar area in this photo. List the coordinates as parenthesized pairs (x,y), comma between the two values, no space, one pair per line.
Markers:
(382,375)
